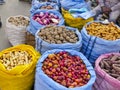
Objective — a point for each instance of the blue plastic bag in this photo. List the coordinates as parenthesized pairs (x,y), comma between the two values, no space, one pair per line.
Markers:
(43,46)
(38,6)
(70,4)
(36,26)
(93,46)
(43,82)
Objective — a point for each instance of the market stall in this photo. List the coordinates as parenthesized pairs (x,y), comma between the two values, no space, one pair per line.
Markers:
(61,47)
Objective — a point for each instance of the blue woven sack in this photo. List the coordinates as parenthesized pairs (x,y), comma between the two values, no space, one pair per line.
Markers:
(43,82)
(94,46)
(39,5)
(36,26)
(43,46)
(74,4)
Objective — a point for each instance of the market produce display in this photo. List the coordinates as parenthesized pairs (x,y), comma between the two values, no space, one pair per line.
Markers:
(58,35)
(111,65)
(40,18)
(107,72)
(46,18)
(17,67)
(62,66)
(18,21)
(54,38)
(64,70)
(106,31)
(16,29)
(14,58)
(68,70)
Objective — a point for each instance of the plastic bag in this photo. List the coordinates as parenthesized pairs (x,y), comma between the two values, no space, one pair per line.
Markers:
(21,77)
(74,22)
(93,46)
(72,4)
(43,46)
(36,26)
(38,6)
(43,82)
(16,34)
(104,81)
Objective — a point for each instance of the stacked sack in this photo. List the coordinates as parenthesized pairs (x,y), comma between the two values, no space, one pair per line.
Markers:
(99,38)
(44,13)
(76,13)
(17,67)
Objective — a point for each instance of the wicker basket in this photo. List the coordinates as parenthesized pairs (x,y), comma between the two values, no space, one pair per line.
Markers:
(30,39)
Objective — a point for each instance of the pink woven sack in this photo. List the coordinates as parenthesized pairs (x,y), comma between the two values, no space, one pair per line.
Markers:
(104,81)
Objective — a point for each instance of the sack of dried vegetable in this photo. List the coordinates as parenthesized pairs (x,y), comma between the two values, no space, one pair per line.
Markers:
(99,38)
(16,29)
(107,68)
(58,37)
(64,70)
(17,67)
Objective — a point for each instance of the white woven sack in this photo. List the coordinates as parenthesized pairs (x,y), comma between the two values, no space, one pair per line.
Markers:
(16,34)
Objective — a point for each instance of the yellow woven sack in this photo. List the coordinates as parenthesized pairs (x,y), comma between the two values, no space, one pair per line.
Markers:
(20,77)
(74,22)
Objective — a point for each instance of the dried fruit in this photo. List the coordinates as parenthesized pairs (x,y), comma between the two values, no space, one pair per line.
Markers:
(66,69)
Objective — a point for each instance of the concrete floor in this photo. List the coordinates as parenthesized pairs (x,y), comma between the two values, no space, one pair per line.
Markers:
(11,8)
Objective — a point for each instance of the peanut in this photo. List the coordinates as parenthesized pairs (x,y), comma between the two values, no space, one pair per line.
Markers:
(14,58)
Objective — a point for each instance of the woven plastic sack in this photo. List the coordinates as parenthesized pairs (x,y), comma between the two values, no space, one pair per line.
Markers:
(74,22)
(104,81)
(36,26)
(34,2)
(93,46)
(43,46)
(20,77)
(73,4)
(16,34)
(43,82)
(38,6)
